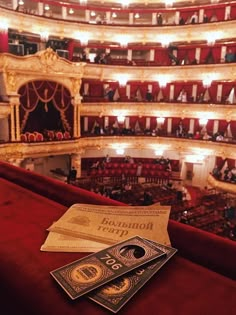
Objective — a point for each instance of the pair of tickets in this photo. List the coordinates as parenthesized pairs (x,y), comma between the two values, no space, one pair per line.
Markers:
(113,275)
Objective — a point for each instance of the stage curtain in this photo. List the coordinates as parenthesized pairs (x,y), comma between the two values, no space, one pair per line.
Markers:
(50,99)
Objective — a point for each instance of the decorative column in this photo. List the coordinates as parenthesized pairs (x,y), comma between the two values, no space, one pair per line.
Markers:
(15,117)
(40,8)
(64,13)
(76,101)
(87,15)
(12,135)
(154,18)
(77,110)
(131,18)
(17,108)
(76,163)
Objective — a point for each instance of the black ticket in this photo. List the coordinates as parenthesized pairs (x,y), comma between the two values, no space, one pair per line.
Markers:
(90,272)
(115,294)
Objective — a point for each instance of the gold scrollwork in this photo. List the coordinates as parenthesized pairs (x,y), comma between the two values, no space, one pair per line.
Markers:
(11,81)
(48,57)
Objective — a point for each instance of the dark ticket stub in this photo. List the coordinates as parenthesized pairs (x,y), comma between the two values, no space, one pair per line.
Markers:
(115,294)
(90,272)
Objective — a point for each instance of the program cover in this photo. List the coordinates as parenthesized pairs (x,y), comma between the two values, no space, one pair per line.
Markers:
(109,224)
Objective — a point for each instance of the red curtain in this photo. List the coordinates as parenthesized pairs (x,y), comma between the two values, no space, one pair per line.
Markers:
(70,48)
(96,89)
(3,42)
(209,126)
(216,51)
(227,87)
(204,52)
(220,162)
(219,12)
(233,11)
(161,57)
(222,126)
(46,99)
(231,163)
(175,123)
(213,92)
(233,128)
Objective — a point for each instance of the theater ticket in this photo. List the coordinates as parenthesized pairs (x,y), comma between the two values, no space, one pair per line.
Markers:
(90,272)
(115,294)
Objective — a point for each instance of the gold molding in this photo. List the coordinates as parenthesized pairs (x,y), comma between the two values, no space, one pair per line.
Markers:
(222,72)
(220,185)
(173,109)
(104,33)
(44,65)
(181,146)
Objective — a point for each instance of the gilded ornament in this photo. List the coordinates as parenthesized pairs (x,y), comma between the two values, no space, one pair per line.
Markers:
(48,57)
(11,81)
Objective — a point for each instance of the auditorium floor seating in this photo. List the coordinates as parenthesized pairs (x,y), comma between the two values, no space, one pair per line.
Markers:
(200,279)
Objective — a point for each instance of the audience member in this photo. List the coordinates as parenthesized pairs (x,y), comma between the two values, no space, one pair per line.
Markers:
(197,135)
(220,137)
(72,174)
(147,198)
(159,19)
(181,21)
(148,96)
(98,19)
(230,56)
(109,94)
(205,18)
(194,18)
(180,130)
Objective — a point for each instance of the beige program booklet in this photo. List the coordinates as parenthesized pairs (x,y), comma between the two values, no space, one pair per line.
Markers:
(99,226)
(56,242)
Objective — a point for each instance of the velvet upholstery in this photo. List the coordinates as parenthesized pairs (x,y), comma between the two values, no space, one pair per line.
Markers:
(29,203)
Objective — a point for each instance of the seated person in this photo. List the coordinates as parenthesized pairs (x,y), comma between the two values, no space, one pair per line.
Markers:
(229,56)
(197,135)
(220,137)
(148,96)
(109,94)
(206,136)
(194,18)
(72,174)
